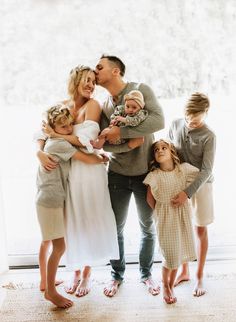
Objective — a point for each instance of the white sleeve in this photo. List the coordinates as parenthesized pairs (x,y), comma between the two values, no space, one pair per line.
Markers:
(86,132)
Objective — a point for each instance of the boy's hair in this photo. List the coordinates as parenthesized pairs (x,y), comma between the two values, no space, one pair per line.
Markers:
(58,115)
(77,74)
(116,61)
(154,164)
(198,103)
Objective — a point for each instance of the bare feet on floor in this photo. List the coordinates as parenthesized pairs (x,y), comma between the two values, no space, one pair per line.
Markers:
(153,288)
(112,288)
(84,285)
(58,300)
(83,288)
(182,278)
(199,290)
(168,295)
(71,287)
(42,285)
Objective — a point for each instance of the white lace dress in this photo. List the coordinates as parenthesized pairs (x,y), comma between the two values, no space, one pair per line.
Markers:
(91,235)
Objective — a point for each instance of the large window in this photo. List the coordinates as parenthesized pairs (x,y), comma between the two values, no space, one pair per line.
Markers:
(19,166)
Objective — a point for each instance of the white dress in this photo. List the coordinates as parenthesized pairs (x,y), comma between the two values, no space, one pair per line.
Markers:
(91,233)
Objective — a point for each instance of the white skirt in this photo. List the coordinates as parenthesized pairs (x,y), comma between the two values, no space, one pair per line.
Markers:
(91,233)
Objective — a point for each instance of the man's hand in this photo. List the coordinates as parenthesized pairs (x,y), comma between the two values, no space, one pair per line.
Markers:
(179,199)
(111,134)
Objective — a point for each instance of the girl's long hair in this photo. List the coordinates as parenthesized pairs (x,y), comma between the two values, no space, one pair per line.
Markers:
(154,164)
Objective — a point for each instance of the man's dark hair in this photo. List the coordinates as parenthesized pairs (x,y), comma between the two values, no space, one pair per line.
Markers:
(117,61)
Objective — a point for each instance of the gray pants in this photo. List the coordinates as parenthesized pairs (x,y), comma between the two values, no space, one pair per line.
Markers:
(121,188)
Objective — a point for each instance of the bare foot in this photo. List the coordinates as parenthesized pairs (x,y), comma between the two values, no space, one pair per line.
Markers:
(182,278)
(199,290)
(153,288)
(112,288)
(83,288)
(168,295)
(59,300)
(71,287)
(42,284)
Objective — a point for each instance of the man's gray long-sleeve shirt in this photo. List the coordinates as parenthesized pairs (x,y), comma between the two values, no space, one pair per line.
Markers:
(197,147)
(124,160)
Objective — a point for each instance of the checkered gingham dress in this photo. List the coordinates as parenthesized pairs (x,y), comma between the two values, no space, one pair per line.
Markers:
(174,225)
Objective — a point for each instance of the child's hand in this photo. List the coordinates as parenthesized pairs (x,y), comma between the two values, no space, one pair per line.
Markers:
(179,199)
(120,119)
(104,132)
(105,157)
(48,130)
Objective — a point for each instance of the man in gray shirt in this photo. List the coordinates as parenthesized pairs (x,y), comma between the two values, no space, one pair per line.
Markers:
(128,167)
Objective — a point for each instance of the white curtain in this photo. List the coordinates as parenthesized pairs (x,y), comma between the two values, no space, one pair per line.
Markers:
(3,245)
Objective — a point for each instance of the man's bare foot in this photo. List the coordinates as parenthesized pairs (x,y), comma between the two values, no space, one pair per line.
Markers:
(112,288)
(182,278)
(199,290)
(83,288)
(168,295)
(59,300)
(153,288)
(71,287)
(42,285)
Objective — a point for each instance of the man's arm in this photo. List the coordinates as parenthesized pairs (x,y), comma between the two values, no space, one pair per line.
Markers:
(206,169)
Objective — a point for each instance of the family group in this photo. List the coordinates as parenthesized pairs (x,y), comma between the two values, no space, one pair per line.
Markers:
(93,157)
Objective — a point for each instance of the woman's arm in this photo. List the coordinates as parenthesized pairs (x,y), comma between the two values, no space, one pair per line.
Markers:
(90,158)
(92,113)
(45,159)
(150,199)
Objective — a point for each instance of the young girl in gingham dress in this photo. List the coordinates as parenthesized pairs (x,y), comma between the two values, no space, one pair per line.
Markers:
(174,227)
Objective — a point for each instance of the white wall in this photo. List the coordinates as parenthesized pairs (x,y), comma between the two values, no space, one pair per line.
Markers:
(176,46)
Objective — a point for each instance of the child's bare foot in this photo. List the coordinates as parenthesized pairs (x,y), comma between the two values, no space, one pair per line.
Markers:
(58,300)
(199,290)
(112,288)
(168,295)
(71,287)
(83,288)
(42,284)
(153,288)
(183,277)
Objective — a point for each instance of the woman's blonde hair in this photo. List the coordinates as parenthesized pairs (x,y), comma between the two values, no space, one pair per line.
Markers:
(198,103)
(58,115)
(156,165)
(77,75)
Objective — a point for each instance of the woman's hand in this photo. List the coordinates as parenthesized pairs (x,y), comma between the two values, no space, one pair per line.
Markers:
(48,130)
(46,160)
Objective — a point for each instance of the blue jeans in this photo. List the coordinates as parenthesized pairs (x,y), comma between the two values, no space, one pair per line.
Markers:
(121,188)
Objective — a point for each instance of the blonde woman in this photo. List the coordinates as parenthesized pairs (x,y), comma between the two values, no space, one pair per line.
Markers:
(90,223)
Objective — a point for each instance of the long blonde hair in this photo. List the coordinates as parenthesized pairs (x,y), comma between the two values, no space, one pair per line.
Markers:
(77,75)
(156,165)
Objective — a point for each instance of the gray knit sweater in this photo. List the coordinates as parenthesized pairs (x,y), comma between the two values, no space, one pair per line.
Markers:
(197,147)
(124,160)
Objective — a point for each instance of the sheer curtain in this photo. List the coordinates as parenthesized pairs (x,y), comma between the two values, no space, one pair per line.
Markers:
(3,245)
